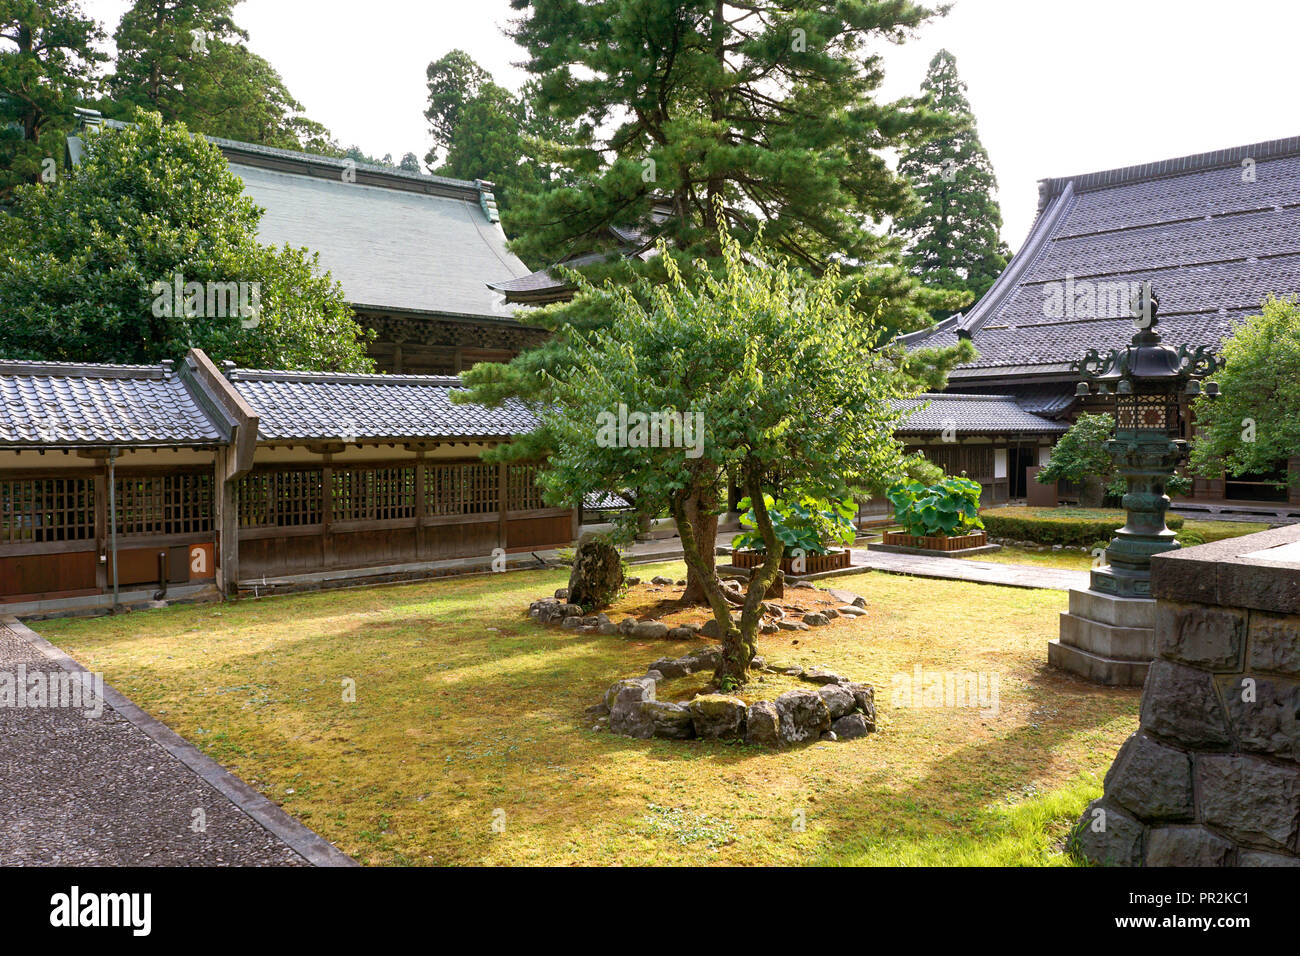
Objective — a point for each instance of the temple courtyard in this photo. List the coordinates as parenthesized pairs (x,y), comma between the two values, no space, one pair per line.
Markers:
(435,723)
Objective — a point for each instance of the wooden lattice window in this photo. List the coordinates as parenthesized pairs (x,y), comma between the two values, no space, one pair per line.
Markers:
(164,504)
(975,460)
(281,499)
(47,509)
(524,494)
(458,489)
(373,494)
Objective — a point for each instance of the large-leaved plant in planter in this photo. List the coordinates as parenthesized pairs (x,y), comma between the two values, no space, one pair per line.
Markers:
(947,508)
(809,525)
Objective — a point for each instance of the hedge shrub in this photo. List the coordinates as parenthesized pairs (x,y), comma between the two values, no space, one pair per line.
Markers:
(1082,527)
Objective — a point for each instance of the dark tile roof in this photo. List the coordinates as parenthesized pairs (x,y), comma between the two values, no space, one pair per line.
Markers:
(64,404)
(1213,236)
(52,404)
(322,406)
(971,413)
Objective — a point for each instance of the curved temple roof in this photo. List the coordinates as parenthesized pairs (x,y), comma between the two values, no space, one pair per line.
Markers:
(1215,233)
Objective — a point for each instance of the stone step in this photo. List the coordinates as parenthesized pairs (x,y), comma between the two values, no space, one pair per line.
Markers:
(1095,667)
(1096,637)
(1109,609)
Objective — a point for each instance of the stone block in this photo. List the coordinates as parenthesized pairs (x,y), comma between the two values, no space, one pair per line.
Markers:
(1093,667)
(1151,780)
(1274,643)
(1108,640)
(1107,836)
(1212,638)
(763,724)
(1187,846)
(804,716)
(1264,714)
(718,716)
(1253,801)
(1182,704)
(1260,858)
(1109,609)
(839,700)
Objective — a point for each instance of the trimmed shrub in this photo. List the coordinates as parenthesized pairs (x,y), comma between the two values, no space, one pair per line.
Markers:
(1073,526)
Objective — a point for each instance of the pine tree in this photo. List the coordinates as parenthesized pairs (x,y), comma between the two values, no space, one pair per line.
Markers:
(953,240)
(187,61)
(762,118)
(47,66)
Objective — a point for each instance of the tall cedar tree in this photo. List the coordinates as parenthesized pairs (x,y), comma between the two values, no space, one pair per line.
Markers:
(481,130)
(759,116)
(47,66)
(186,60)
(953,240)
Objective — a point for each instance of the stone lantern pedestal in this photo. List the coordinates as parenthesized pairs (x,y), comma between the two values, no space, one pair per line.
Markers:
(1108,635)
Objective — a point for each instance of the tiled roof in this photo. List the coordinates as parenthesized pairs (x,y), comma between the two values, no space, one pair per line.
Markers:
(1215,233)
(971,413)
(63,404)
(392,249)
(316,406)
(53,404)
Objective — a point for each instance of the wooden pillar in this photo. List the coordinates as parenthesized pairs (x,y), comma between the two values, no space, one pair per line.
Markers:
(419,506)
(225,497)
(503,503)
(327,512)
(100,490)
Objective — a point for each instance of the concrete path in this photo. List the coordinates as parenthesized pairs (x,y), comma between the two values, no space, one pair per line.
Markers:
(967,569)
(103,784)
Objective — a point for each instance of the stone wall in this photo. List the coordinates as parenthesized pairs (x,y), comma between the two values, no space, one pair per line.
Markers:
(1212,777)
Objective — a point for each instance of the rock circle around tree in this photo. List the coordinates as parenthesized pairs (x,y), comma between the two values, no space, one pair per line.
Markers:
(831,708)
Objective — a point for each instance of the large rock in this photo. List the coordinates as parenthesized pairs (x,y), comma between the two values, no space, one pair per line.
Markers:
(1182,704)
(804,716)
(670,667)
(1250,800)
(839,700)
(1187,846)
(850,727)
(718,716)
(671,721)
(629,689)
(597,574)
(864,697)
(1108,836)
(815,619)
(1151,780)
(649,630)
(763,724)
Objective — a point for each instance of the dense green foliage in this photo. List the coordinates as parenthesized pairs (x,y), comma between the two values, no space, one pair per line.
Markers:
(189,62)
(758,116)
(86,264)
(47,68)
(953,239)
(481,130)
(947,508)
(1081,527)
(1080,456)
(1253,426)
(807,526)
(776,394)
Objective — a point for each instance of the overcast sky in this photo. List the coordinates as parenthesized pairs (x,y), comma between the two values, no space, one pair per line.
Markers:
(1058,87)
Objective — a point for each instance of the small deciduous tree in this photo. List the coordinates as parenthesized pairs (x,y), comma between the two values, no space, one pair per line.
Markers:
(752,371)
(1253,427)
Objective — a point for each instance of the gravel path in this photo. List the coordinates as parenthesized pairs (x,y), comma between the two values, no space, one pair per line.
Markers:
(98,791)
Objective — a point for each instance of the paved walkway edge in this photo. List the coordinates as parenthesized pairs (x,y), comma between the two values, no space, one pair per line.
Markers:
(308,844)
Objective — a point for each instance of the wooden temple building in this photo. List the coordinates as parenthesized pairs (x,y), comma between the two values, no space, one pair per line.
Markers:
(1215,233)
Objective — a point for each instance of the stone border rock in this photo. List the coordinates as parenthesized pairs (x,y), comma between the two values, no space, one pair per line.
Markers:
(839,709)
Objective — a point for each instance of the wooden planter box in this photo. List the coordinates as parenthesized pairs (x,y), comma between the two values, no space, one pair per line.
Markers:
(813,563)
(960,542)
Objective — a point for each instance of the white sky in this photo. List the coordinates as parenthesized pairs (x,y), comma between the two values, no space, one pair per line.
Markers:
(1057,87)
